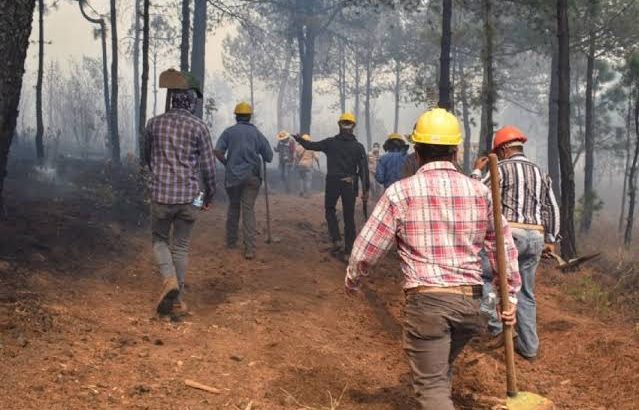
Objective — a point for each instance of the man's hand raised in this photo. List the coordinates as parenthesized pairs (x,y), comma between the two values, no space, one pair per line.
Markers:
(481,163)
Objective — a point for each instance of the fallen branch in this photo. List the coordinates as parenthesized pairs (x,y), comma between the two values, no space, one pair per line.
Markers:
(201,386)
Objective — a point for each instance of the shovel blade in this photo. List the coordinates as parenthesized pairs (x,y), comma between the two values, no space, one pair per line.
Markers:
(529,401)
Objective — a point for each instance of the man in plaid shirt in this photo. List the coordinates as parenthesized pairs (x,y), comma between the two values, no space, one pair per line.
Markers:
(178,150)
(440,219)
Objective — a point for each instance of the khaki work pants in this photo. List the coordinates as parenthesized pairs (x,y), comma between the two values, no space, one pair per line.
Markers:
(436,329)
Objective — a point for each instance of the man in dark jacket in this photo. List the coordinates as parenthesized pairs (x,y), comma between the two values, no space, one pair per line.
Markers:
(346,165)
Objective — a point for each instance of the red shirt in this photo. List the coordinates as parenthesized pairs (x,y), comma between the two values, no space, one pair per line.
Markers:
(441,220)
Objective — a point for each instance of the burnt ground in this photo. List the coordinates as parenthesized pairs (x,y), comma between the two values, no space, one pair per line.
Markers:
(78,331)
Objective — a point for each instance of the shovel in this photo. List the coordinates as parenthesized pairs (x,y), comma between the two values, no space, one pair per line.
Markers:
(516,400)
(564,265)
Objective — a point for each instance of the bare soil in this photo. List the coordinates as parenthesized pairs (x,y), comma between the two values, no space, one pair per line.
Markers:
(78,330)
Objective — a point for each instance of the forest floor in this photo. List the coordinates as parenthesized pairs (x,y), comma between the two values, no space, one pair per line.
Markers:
(78,330)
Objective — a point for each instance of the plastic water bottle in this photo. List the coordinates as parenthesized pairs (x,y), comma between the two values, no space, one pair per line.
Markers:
(198,202)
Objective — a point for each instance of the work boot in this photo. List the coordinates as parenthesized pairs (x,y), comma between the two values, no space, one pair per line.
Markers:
(180,308)
(249,254)
(170,290)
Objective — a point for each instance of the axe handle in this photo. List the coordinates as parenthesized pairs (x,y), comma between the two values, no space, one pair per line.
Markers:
(511,375)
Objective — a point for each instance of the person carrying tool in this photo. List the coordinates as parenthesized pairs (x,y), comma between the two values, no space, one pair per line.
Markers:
(177,149)
(440,220)
(239,148)
(285,149)
(390,165)
(529,204)
(346,162)
(304,161)
(373,157)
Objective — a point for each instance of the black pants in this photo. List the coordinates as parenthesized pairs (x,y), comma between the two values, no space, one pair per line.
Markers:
(337,188)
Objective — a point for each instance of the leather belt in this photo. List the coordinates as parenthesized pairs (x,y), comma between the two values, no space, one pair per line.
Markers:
(527,227)
(464,290)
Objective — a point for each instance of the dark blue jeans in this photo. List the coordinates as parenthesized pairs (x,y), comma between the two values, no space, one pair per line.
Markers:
(530,245)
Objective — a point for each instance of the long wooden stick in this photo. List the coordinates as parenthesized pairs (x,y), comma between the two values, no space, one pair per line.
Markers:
(268,209)
(200,386)
(511,375)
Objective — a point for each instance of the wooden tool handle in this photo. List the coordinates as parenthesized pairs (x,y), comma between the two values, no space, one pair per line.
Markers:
(268,208)
(511,375)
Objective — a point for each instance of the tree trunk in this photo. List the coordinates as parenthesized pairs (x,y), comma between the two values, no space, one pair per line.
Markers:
(15,29)
(342,78)
(145,82)
(281,92)
(632,177)
(626,168)
(589,192)
(444,57)
(252,83)
(136,73)
(398,89)
(568,244)
(186,33)
(367,101)
(306,42)
(115,134)
(553,117)
(155,82)
(39,121)
(466,115)
(105,64)
(488,85)
(357,91)
(199,48)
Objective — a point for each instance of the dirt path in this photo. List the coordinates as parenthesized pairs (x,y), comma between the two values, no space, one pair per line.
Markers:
(277,333)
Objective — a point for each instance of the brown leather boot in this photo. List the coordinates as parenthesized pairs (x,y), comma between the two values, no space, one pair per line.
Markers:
(170,290)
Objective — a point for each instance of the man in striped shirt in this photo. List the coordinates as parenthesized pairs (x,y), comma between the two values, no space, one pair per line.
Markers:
(440,220)
(528,203)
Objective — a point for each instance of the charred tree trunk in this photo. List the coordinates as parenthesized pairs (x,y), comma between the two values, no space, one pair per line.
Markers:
(105,65)
(444,57)
(367,101)
(186,34)
(15,29)
(136,72)
(199,48)
(488,84)
(632,176)
(39,121)
(553,117)
(398,90)
(306,44)
(145,81)
(589,191)
(115,133)
(568,244)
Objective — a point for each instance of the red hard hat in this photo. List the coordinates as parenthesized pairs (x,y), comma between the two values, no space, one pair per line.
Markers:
(506,135)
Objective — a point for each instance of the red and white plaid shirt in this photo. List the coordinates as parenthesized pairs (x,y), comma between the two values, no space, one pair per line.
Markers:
(441,219)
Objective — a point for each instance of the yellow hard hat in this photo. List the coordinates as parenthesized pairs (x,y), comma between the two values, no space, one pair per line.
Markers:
(243,108)
(306,137)
(395,136)
(437,127)
(282,135)
(347,116)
